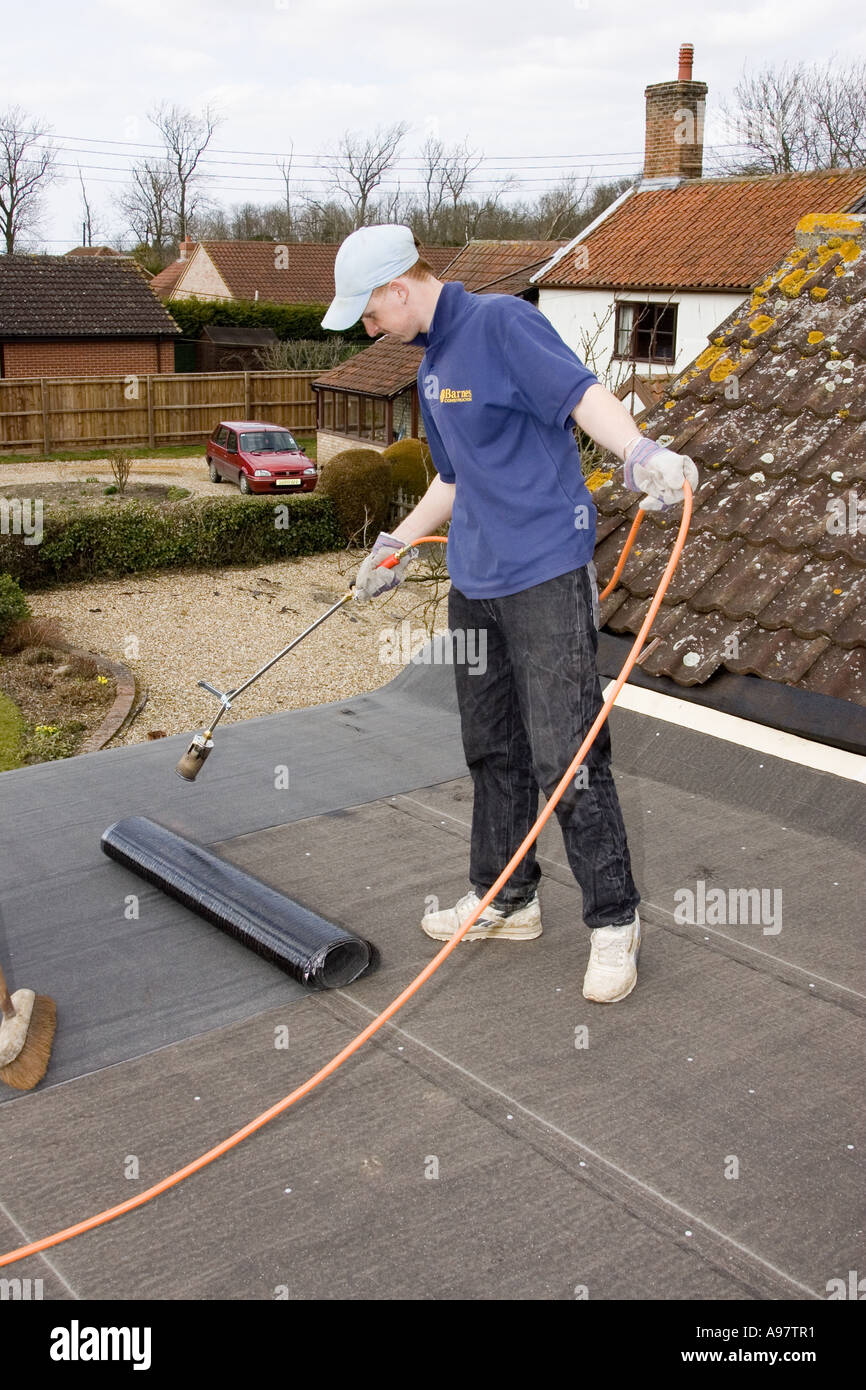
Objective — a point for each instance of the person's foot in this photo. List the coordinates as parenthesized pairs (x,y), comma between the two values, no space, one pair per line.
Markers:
(524,924)
(612,970)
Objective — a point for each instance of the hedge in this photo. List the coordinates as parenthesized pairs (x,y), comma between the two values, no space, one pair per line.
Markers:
(289,321)
(205,532)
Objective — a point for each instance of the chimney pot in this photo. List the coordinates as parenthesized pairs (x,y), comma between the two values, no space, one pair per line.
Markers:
(687,53)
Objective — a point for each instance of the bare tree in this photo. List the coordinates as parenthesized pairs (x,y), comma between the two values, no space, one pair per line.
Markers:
(459,164)
(285,168)
(186,138)
(26,169)
(361,162)
(87,222)
(445,174)
(798,117)
(836,96)
(435,188)
(560,207)
(323,220)
(146,203)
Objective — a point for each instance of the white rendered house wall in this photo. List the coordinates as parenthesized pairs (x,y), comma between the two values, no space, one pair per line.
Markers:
(581,315)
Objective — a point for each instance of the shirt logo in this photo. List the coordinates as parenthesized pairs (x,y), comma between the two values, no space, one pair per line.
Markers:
(448,396)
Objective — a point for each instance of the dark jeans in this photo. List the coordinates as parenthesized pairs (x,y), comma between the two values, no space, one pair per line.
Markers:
(524,715)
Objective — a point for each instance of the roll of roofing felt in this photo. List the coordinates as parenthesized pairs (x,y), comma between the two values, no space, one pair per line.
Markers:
(314,951)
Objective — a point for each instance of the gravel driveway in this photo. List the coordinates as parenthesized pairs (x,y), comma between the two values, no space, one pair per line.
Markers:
(174,628)
(181,472)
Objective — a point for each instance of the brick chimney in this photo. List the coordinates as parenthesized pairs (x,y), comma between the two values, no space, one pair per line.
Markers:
(675,124)
(186,249)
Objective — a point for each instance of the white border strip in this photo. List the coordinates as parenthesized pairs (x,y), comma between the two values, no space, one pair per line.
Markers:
(744,732)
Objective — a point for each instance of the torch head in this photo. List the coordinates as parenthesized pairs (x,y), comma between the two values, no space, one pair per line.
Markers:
(195,756)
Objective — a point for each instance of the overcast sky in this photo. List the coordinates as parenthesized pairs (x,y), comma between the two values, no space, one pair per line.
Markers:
(538,87)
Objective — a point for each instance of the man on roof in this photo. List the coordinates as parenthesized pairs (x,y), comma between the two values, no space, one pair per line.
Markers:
(500,393)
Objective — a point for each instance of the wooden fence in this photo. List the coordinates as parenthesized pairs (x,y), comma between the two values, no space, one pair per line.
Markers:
(65,413)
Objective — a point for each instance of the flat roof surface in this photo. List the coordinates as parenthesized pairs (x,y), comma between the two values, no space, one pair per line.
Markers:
(472,1149)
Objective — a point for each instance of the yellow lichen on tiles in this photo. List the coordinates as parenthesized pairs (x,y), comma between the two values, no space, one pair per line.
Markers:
(818,292)
(761,324)
(669,405)
(722,369)
(849,250)
(830,221)
(815,336)
(790,284)
(708,357)
(837,591)
(839,270)
(598,477)
(843,414)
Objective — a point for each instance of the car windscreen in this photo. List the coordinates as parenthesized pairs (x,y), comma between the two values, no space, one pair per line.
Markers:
(268,442)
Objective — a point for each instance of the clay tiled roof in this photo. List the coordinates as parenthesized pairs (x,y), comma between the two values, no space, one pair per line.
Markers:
(250,266)
(772,579)
(500,267)
(385,369)
(439,258)
(78,296)
(165,280)
(702,234)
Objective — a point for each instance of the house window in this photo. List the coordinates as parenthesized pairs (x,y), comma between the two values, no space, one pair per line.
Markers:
(646,332)
(365,417)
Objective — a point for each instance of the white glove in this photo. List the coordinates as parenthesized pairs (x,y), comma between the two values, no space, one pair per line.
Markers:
(371,578)
(659,473)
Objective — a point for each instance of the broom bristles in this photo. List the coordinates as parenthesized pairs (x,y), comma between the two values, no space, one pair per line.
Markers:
(31,1064)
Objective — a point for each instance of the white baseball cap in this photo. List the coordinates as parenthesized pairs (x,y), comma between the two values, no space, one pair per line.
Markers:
(370,257)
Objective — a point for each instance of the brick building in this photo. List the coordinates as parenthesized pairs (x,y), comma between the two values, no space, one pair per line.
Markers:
(81,316)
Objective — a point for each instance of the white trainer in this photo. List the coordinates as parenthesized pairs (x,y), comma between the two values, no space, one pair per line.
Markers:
(612,970)
(522,925)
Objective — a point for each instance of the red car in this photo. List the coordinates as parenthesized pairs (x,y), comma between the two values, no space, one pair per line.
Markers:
(259,457)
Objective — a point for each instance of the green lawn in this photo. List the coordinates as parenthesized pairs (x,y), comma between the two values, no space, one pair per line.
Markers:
(11,733)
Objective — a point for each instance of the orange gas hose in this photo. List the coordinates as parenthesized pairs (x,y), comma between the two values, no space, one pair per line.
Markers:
(174,1178)
(620,564)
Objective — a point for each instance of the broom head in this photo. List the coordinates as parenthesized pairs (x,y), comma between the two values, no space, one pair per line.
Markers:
(27,1069)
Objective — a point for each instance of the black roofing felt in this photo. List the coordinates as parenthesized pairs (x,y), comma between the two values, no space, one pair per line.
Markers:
(557,1166)
(78,296)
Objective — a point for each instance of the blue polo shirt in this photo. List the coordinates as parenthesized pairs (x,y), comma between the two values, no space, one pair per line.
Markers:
(497,386)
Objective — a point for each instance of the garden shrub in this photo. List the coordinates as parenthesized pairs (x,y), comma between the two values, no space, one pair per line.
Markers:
(411,466)
(14,607)
(358,481)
